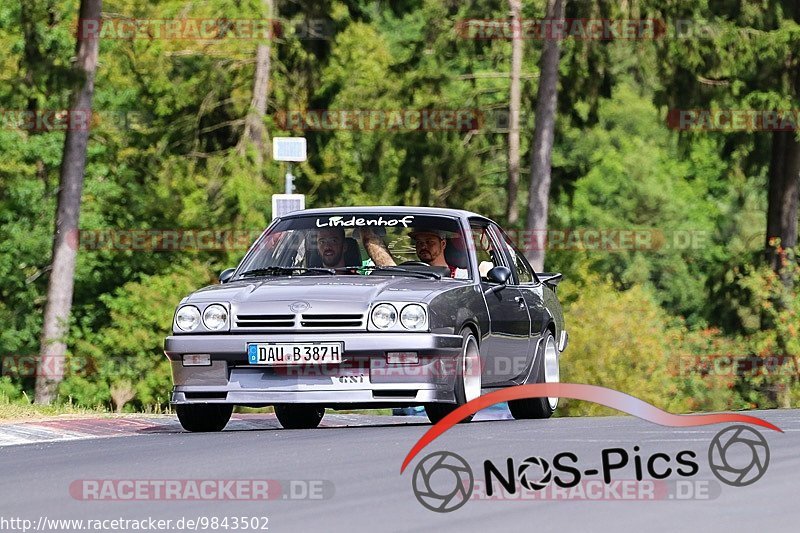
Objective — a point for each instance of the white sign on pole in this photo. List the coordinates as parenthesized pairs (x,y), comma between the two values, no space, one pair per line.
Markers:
(289,148)
(283,204)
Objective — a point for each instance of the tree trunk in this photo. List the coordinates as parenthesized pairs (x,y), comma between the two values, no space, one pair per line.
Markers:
(73,165)
(782,200)
(512,211)
(542,146)
(254,130)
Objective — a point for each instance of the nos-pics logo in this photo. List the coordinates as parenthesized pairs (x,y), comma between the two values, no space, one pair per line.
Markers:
(443,481)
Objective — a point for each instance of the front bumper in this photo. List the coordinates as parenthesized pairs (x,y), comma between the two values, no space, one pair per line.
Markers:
(363,377)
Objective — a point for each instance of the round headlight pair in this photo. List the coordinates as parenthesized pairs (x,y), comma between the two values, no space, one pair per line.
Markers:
(215,317)
(384,316)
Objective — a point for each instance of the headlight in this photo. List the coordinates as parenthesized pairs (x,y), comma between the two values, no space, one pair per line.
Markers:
(384,316)
(215,317)
(188,318)
(413,317)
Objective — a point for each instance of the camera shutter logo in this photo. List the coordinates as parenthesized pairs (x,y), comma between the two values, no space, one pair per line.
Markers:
(443,482)
(738,456)
(527,476)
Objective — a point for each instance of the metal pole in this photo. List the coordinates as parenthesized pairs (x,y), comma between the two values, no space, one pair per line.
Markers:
(289,179)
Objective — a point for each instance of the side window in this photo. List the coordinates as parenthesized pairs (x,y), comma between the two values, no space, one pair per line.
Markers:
(520,265)
(524,272)
(486,250)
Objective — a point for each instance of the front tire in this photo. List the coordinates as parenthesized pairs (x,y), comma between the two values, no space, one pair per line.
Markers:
(547,371)
(468,380)
(204,417)
(299,415)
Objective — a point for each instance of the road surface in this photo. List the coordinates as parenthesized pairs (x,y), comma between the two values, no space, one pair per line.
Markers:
(358,467)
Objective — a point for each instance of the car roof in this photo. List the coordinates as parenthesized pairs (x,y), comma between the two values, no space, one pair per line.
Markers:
(383,209)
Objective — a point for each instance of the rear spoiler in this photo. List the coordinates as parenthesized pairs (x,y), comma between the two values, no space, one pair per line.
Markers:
(552,279)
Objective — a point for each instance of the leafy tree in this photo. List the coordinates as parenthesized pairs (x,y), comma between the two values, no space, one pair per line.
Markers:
(73,165)
(512,212)
(543,135)
(743,55)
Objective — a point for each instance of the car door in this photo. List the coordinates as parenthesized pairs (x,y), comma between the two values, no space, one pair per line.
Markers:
(506,346)
(532,291)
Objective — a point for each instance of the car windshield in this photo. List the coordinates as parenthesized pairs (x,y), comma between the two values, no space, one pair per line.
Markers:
(424,246)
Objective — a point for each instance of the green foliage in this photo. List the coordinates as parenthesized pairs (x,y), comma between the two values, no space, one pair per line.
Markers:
(130,348)
(604,351)
(8,391)
(663,362)
(632,177)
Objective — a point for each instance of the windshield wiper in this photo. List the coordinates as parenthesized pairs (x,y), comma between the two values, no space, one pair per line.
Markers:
(416,273)
(274,270)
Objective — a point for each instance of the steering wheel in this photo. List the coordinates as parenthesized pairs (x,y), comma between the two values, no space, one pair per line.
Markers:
(414,263)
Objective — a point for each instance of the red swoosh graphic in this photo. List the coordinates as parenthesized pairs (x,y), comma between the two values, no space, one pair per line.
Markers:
(591,393)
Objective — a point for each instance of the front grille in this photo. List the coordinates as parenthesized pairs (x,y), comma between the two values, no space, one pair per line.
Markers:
(332,321)
(306,321)
(264,321)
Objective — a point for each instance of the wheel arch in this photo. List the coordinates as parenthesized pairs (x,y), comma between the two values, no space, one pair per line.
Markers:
(472,325)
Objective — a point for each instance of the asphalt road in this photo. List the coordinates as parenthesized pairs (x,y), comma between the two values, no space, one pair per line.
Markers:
(369,494)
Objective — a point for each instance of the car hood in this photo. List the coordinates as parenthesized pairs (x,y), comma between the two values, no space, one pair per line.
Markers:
(355,289)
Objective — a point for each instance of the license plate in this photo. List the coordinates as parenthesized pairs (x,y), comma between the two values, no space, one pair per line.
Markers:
(291,353)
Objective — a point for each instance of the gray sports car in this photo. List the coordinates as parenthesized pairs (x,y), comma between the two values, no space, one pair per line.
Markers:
(367,307)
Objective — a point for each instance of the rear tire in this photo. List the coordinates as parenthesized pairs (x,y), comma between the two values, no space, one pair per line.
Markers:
(468,380)
(204,417)
(546,372)
(299,415)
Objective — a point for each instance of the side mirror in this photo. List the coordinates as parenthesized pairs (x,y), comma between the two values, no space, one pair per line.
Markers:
(499,274)
(226,275)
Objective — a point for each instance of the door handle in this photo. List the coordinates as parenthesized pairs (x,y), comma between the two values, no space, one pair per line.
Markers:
(520,300)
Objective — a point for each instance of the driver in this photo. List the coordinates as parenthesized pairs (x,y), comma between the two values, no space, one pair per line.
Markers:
(330,245)
(430,245)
